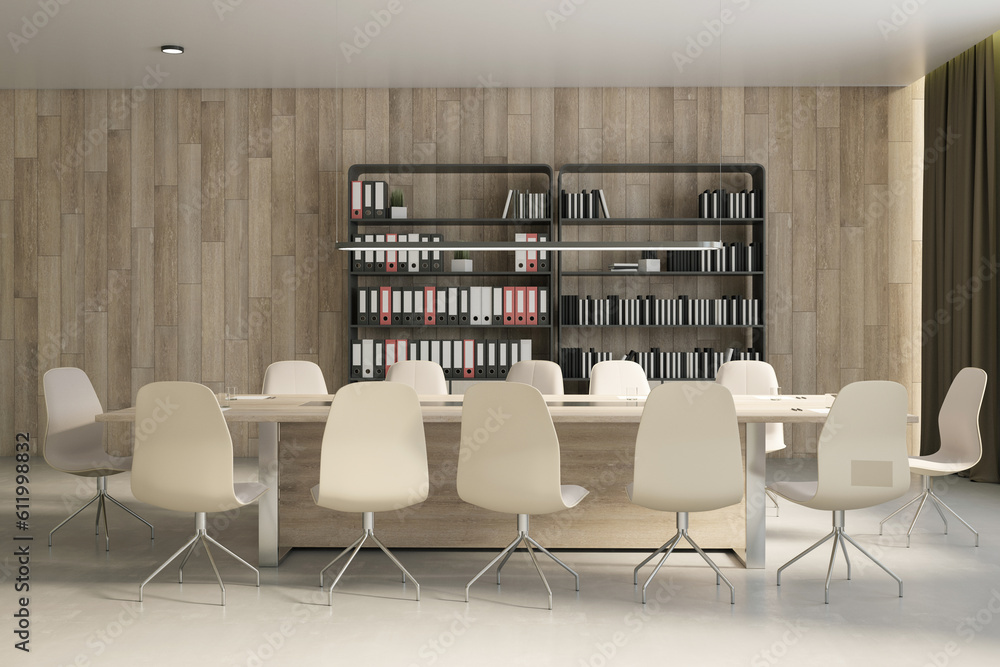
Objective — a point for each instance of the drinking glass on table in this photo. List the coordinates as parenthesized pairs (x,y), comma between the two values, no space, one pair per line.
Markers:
(775,393)
(231,393)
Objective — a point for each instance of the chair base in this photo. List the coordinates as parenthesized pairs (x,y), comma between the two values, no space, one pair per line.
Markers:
(682,531)
(936,503)
(202,536)
(840,536)
(102,510)
(368,531)
(774,499)
(523,536)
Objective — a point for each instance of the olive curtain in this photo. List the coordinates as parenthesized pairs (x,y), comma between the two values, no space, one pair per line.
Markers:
(961,244)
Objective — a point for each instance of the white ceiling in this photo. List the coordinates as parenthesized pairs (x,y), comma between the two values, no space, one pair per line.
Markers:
(465,43)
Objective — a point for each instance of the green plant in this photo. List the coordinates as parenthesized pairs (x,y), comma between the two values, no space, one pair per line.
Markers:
(463,254)
(396,198)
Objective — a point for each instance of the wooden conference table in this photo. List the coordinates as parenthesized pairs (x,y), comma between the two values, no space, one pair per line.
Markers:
(596,436)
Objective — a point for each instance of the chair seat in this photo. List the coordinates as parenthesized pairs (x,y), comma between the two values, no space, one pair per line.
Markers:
(247,492)
(86,465)
(572,494)
(927,465)
(775,447)
(375,503)
(797,492)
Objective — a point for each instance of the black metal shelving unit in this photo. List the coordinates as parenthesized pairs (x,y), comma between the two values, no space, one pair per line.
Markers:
(542,336)
(754,335)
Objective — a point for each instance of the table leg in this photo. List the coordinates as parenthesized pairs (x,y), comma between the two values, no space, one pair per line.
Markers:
(755,499)
(267,521)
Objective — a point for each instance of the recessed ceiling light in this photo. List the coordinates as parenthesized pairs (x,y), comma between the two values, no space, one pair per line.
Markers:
(172,49)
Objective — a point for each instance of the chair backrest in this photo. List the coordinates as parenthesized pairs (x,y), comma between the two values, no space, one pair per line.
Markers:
(861,456)
(374,457)
(687,451)
(426,377)
(545,376)
(74,442)
(753,377)
(508,459)
(294,377)
(958,419)
(614,377)
(183,456)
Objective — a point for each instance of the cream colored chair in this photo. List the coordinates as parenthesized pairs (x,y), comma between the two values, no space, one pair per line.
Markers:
(961,445)
(74,442)
(294,377)
(687,459)
(184,462)
(369,463)
(509,462)
(617,377)
(426,377)
(861,462)
(545,376)
(755,377)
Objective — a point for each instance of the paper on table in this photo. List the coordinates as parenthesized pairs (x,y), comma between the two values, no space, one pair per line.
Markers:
(245,397)
(819,411)
(777,398)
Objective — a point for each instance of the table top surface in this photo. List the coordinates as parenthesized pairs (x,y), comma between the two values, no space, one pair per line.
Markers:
(576,408)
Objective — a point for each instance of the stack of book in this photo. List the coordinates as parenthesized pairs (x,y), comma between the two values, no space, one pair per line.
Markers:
(723,204)
(624,267)
(527,205)
(584,205)
(701,364)
(737,256)
(614,310)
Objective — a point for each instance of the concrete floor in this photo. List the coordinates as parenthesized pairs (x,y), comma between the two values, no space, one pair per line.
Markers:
(84,611)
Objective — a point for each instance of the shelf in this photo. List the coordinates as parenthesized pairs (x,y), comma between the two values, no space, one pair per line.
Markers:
(413,274)
(663,326)
(569,379)
(553,246)
(663,273)
(453,222)
(450,326)
(708,222)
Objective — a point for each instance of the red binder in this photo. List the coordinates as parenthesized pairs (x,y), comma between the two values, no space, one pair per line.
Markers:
(430,311)
(355,200)
(385,305)
(508,305)
(469,358)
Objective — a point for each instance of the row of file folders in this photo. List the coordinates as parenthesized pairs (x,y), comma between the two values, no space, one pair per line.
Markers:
(702,364)
(378,260)
(452,306)
(459,359)
(736,256)
(724,204)
(615,310)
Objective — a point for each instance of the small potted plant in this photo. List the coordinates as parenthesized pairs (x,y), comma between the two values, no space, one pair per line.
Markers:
(397,210)
(462,261)
(649,262)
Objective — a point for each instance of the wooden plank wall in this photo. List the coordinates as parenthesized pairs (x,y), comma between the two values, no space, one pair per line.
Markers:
(188,234)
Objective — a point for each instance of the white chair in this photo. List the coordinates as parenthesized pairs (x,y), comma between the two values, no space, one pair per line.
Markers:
(184,462)
(294,377)
(617,377)
(545,376)
(426,377)
(687,459)
(74,442)
(509,462)
(961,445)
(369,463)
(861,462)
(755,377)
